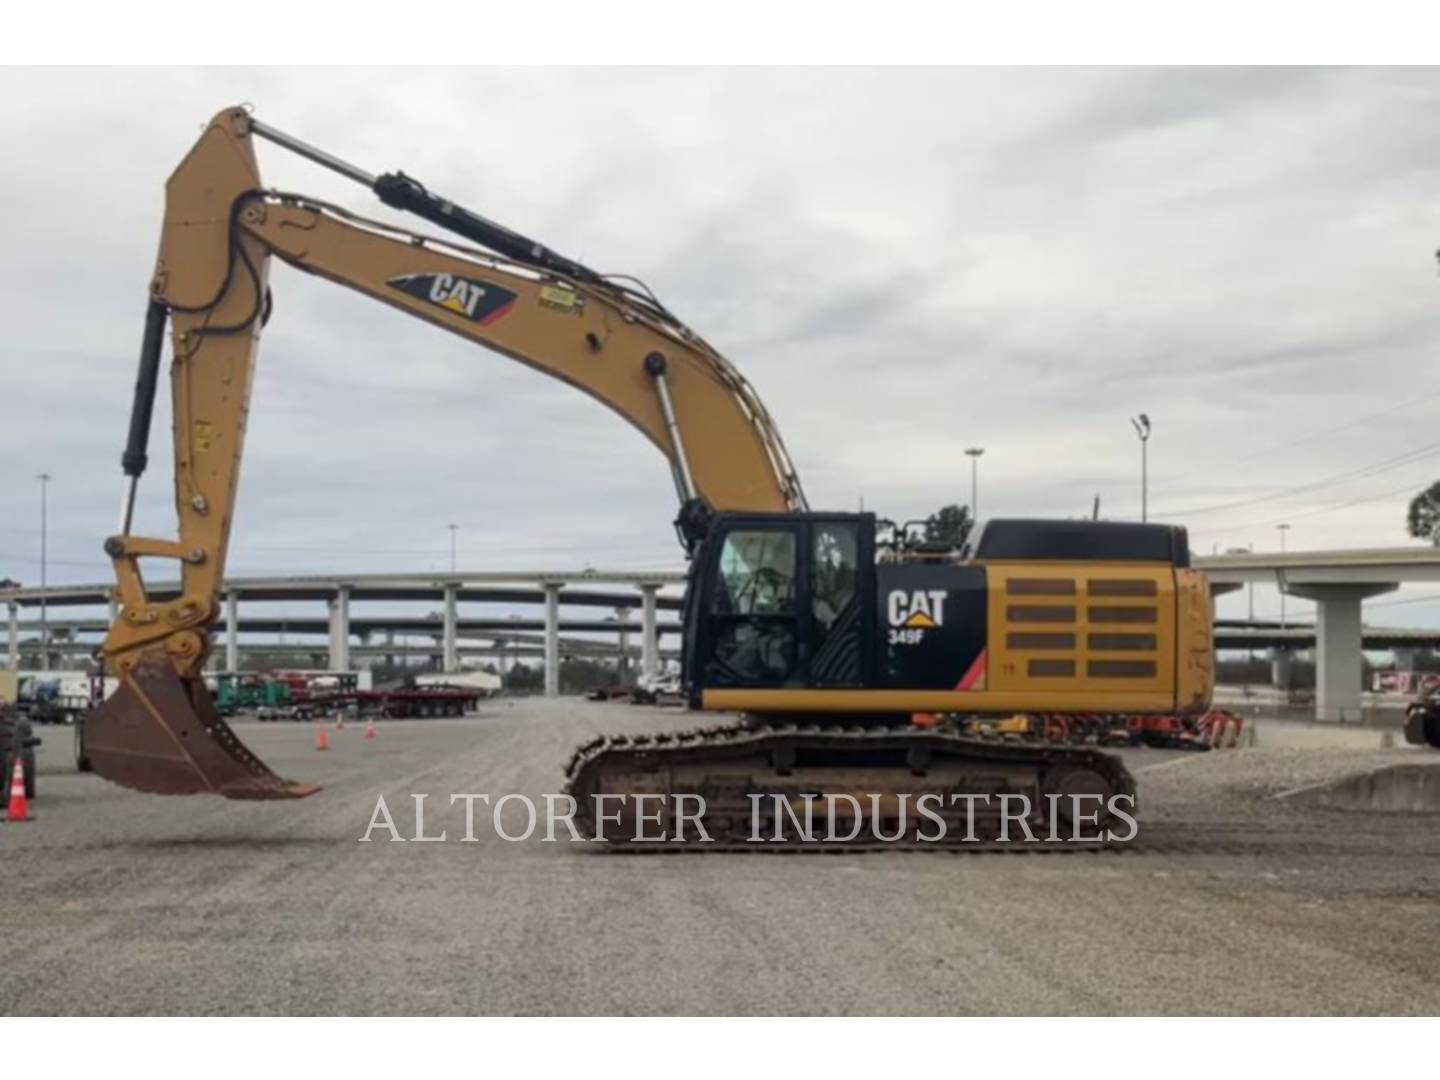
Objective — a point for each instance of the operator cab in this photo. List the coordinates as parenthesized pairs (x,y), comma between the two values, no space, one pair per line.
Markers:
(781,600)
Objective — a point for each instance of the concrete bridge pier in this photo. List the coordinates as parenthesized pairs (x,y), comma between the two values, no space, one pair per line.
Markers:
(552,638)
(339,658)
(622,664)
(14,621)
(1282,663)
(451,659)
(1339,659)
(232,631)
(649,639)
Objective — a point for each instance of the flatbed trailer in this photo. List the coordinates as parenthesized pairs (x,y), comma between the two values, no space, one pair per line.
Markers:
(418,702)
(400,703)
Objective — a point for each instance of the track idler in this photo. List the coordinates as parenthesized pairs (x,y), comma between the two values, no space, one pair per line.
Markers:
(161,733)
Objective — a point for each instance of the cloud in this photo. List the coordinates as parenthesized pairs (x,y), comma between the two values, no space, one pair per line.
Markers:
(905,263)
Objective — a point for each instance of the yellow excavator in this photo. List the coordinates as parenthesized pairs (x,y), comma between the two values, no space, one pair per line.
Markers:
(827,632)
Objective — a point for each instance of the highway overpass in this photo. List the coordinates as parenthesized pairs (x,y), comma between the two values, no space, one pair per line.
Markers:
(1339,582)
(621,591)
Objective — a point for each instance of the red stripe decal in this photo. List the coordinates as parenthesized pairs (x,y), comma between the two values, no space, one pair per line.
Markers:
(497,314)
(974,675)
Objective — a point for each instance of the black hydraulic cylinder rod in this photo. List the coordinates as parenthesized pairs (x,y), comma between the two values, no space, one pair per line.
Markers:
(404,193)
(134,459)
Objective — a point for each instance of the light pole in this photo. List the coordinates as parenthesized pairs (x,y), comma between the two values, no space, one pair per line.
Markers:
(452,527)
(44,479)
(1283,529)
(974,455)
(1141,424)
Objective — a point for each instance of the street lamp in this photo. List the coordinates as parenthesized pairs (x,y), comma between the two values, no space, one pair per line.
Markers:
(974,455)
(452,527)
(1141,425)
(1283,529)
(44,479)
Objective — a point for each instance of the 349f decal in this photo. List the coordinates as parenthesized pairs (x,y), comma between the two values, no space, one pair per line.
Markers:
(910,612)
(479,301)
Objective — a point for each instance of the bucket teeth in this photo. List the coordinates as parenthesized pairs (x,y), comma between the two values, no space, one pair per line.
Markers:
(161,734)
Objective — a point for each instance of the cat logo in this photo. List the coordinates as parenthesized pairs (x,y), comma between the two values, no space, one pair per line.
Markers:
(922,609)
(479,301)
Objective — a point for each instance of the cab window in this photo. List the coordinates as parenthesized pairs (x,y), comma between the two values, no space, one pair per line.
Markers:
(754,640)
(757,573)
(833,572)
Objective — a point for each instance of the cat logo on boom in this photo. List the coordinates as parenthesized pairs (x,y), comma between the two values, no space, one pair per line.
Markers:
(479,301)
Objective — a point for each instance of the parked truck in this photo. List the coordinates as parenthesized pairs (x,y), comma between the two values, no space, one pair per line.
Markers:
(58,697)
(266,697)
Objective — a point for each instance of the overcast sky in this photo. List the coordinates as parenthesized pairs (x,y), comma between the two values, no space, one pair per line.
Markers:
(905,264)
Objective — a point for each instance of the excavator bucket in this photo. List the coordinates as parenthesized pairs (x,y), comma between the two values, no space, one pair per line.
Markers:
(161,734)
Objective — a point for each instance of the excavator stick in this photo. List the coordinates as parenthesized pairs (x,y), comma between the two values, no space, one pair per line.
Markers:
(160,733)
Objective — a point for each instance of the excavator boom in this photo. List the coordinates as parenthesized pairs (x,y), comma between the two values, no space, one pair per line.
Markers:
(159,732)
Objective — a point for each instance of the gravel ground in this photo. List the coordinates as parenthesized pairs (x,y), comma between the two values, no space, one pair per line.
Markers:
(1229,902)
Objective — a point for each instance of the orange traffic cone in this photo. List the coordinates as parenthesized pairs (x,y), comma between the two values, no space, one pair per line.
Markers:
(322,740)
(370,728)
(19,808)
